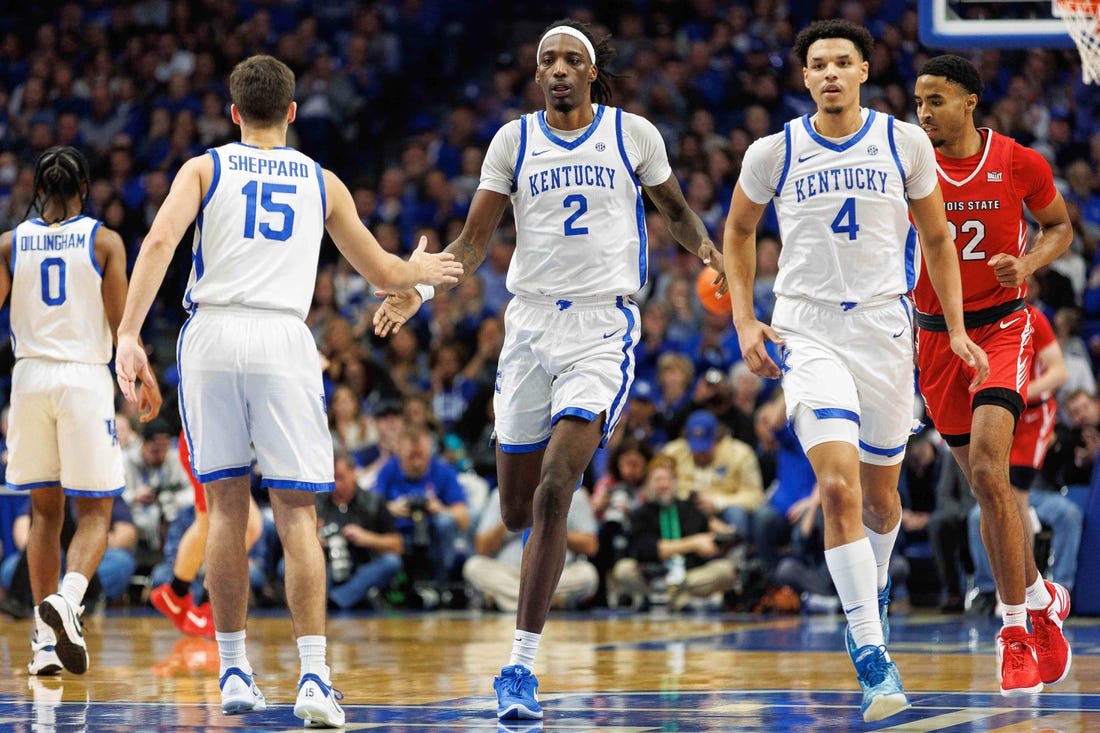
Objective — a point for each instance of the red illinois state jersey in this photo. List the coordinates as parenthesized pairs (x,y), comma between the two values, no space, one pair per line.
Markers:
(984,196)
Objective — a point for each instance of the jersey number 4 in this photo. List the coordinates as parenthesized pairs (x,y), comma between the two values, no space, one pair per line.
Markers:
(264,194)
(976,229)
(845,220)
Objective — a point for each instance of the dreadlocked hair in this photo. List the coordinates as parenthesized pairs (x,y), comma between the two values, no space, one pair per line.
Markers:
(601,87)
(60,174)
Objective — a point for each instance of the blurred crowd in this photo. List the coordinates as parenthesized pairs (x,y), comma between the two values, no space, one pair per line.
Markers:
(401,99)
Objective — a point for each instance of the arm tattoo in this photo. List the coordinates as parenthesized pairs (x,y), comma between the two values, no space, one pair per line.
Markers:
(468,255)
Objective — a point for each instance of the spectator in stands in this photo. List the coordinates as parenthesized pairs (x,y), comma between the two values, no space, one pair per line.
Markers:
(362,545)
(673,543)
(948,536)
(156,487)
(494,570)
(722,472)
(423,494)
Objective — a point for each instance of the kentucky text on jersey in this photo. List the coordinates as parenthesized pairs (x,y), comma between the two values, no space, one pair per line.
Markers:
(986,205)
(863,179)
(268,166)
(52,242)
(572,175)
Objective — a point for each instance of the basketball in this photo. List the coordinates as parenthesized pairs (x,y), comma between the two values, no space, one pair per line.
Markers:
(708,292)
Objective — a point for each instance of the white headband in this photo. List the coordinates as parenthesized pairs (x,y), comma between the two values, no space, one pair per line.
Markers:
(568,31)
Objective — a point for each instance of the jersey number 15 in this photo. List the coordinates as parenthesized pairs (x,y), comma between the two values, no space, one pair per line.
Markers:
(264,194)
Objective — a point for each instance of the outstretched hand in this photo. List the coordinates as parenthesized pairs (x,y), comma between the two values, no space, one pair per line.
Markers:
(712,257)
(397,308)
(753,337)
(439,268)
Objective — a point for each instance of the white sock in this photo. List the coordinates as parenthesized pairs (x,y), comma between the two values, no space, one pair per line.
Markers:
(1014,615)
(852,569)
(524,649)
(311,652)
(73,587)
(231,651)
(883,547)
(1038,597)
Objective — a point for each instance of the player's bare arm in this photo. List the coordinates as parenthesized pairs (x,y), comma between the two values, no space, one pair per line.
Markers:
(1054,238)
(179,209)
(739,256)
(5,265)
(468,250)
(686,226)
(941,259)
(362,250)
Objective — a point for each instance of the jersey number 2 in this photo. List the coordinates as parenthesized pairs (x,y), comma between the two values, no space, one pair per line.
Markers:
(845,221)
(581,202)
(253,191)
(977,229)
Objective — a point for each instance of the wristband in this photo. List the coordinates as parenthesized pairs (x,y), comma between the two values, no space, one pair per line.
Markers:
(427,292)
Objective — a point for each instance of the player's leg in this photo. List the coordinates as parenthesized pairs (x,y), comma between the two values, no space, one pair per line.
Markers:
(44,545)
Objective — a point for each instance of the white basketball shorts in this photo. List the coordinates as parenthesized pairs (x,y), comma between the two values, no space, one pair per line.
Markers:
(854,365)
(61,428)
(251,379)
(563,357)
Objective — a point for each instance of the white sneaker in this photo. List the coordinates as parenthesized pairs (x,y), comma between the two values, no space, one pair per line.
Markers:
(318,703)
(239,693)
(64,618)
(44,659)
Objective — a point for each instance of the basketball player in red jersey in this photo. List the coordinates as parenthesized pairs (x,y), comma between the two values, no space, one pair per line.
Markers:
(987,179)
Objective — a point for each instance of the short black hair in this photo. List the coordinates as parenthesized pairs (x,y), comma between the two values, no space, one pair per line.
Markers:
(955,69)
(836,28)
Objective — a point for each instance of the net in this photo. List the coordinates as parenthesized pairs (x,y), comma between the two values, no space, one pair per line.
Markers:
(1082,19)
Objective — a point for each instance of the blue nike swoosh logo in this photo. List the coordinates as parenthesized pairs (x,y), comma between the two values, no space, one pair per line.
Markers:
(899,333)
(803,159)
(853,609)
(540,152)
(609,335)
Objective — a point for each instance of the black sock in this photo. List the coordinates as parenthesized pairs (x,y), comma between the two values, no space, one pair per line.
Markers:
(180,587)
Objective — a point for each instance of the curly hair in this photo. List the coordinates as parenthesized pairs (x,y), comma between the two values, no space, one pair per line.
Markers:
(601,87)
(836,28)
(60,173)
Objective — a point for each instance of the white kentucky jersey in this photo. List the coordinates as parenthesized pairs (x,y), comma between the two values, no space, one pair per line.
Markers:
(57,292)
(580,220)
(843,206)
(258,233)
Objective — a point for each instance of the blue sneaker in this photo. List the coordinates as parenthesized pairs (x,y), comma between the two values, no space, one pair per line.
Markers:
(517,694)
(880,682)
(884,618)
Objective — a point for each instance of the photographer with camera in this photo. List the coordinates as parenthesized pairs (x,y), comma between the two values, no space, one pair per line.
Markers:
(676,552)
(362,546)
(424,495)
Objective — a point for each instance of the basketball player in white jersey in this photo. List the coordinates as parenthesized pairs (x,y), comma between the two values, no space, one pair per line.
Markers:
(249,371)
(844,181)
(67,276)
(574,174)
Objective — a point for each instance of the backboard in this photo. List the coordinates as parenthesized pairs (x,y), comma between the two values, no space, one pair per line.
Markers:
(959,24)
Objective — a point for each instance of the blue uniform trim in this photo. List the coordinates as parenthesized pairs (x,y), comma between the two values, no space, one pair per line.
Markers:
(278,483)
(523,447)
(911,259)
(639,204)
(626,369)
(836,413)
(14,249)
(894,147)
(179,393)
(586,415)
(786,159)
(213,181)
(32,485)
(95,494)
(324,195)
(881,451)
(223,473)
(91,249)
(522,151)
(839,147)
(570,144)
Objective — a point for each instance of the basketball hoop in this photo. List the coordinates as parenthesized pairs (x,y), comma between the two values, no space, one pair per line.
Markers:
(1082,19)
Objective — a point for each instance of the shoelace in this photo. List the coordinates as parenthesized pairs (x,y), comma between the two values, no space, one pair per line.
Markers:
(875,670)
(514,683)
(1015,651)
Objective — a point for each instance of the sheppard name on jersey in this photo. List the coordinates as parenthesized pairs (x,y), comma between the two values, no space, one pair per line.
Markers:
(986,205)
(863,179)
(52,242)
(599,176)
(268,166)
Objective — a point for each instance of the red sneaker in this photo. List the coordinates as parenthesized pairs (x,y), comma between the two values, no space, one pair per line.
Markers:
(1051,647)
(1018,667)
(199,621)
(165,600)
